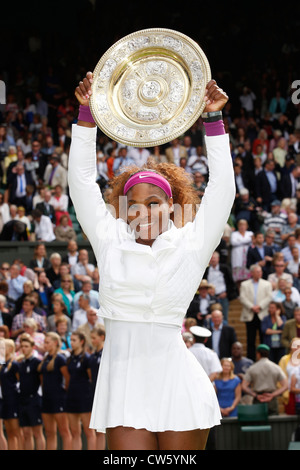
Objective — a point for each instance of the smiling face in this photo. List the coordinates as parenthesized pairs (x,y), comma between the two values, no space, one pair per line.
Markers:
(148,211)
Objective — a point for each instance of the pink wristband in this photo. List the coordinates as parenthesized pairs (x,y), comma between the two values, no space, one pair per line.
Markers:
(85,114)
(214,128)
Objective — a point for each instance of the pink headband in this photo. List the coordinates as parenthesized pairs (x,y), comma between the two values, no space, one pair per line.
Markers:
(149,177)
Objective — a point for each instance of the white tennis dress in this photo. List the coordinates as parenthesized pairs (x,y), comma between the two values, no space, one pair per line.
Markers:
(148,379)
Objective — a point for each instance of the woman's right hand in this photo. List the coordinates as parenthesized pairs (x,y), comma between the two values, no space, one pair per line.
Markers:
(84,90)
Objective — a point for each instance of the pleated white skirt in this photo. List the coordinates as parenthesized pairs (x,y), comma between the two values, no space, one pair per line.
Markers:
(148,379)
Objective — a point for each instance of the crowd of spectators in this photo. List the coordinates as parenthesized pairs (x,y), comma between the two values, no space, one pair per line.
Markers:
(257,260)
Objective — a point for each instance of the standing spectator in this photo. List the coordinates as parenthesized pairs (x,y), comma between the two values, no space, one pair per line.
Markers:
(53,271)
(83,268)
(5,314)
(222,336)
(288,303)
(80,315)
(27,312)
(175,151)
(290,227)
(255,296)
(59,310)
(30,401)
(53,370)
(92,322)
(30,327)
(60,202)
(267,185)
(219,274)
(122,161)
(200,306)
(276,220)
(279,273)
(289,363)
(138,155)
(261,380)
(71,256)
(272,326)
(55,174)
(228,388)
(291,329)
(241,363)
(240,241)
(79,398)
(261,254)
(206,356)
(46,207)
(247,99)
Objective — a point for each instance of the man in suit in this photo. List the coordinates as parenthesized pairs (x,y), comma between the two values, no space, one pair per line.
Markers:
(289,182)
(223,336)
(18,181)
(220,276)
(55,173)
(267,185)
(291,329)
(260,254)
(175,151)
(255,296)
(46,208)
(14,230)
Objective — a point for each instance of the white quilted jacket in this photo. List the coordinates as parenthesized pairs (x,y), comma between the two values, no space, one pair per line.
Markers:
(138,282)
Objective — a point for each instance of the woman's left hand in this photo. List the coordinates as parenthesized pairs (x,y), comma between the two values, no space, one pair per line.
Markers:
(215,97)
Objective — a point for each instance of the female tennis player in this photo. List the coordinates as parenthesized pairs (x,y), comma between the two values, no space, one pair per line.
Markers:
(151,392)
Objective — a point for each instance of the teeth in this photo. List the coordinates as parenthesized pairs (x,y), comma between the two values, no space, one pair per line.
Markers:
(145,225)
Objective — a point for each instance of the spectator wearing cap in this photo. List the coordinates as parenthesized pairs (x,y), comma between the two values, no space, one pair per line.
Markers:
(200,306)
(205,356)
(275,220)
(219,274)
(262,378)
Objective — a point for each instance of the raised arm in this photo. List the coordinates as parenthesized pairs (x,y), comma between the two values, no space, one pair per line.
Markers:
(219,194)
(91,210)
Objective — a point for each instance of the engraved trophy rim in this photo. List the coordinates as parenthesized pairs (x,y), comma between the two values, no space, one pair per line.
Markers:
(149,86)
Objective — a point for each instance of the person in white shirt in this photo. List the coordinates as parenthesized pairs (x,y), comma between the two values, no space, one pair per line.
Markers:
(151,260)
(208,358)
(80,314)
(43,227)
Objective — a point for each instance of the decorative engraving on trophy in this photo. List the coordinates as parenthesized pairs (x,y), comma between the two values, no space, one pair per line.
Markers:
(156,67)
(151,89)
(137,43)
(196,70)
(124,131)
(148,114)
(156,134)
(107,69)
(102,104)
(129,89)
(191,106)
(176,91)
(172,43)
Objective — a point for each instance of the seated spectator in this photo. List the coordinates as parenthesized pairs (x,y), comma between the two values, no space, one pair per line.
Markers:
(80,314)
(188,339)
(23,218)
(63,232)
(187,323)
(59,310)
(60,202)
(52,271)
(45,290)
(87,288)
(93,321)
(287,250)
(40,261)
(241,363)
(246,208)
(222,336)
(43,229)
(72,253)
(45,206)
(62,328)
(30,328)
(262,378)
(4,271)
(174,151)
(5,314)
(271,327)
(294,265)
(291,329)
(15,284)
(82,267)
(228,389)
(198,163)
(278,294)
(27,312)
(67,292)
(28,288)
(269,241)
(4,212)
